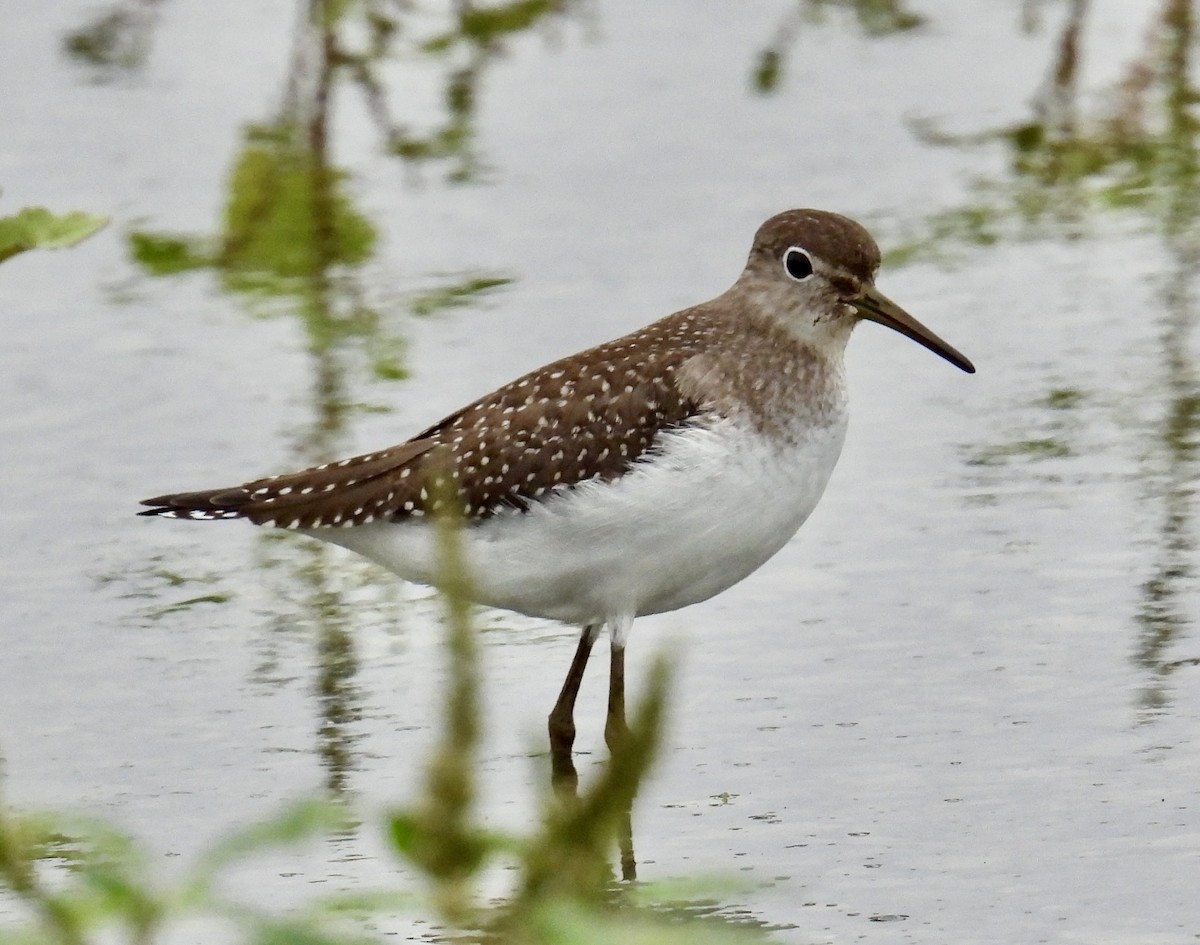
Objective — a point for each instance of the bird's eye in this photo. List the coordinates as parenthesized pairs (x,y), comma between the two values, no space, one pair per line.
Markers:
(797,263)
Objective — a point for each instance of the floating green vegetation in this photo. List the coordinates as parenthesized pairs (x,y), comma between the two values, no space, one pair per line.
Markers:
(456,294)
(489,24)
(1137,149)
(156,581)
(292,240)
(873,17)
(38,228)
(981,224)
(1064,398)
(113,41)
(1040,448)
(270,242)
(182,605)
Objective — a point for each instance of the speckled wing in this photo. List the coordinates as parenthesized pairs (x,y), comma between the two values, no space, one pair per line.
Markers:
(586,417)
(300,499)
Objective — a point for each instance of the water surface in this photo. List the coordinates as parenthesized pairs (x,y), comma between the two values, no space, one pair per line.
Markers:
(962,701)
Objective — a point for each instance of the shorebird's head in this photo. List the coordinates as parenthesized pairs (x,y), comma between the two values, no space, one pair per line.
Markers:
(818,270)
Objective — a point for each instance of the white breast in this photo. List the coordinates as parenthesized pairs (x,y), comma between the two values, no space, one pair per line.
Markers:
(709,507)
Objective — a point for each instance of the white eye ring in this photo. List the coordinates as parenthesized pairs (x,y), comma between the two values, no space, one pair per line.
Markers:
(797,263)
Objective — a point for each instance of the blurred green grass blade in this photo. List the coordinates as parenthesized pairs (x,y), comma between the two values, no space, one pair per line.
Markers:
(299,821)
(438,834)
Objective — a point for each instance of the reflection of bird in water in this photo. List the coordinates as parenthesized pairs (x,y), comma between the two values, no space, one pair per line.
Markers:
(633,478)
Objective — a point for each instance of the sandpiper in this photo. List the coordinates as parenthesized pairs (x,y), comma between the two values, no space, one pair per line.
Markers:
(633,478)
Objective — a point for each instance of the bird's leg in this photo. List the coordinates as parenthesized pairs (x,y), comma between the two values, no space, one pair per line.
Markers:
(615,736)
(615,728)
(562,716)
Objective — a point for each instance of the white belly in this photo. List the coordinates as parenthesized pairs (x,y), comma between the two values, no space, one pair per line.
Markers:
(712,505)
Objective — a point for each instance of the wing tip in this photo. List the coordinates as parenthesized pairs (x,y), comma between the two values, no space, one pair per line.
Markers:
(194,506)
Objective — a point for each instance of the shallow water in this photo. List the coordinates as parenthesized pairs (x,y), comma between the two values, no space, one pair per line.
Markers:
(960,706)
